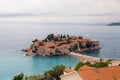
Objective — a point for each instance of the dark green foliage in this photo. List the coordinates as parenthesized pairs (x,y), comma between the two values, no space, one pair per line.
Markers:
(56,39)
(56,72)
(61,36)
(68,41)
(35,40)
(97,64)
(57,51)
(52,47)
(45,40)
(31,46)
(87,63)
(19,77)
(78,65)
(100,64)
(88,44)
(81,45)
(67,35)
(73,47)
(41,44)
(39,77)
(64,36)
(80,37)
(50,37)
(35,49)
(53,74)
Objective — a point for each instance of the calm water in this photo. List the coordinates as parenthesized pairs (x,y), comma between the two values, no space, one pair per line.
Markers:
(14,37)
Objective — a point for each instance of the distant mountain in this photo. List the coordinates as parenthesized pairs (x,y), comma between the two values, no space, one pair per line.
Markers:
(114,24)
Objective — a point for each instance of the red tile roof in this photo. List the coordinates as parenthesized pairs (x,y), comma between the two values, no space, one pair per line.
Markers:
(68,70)
(105,73)
(65,45)
(85,67)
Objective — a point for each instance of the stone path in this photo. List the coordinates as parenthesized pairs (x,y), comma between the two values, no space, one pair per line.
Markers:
(83,57)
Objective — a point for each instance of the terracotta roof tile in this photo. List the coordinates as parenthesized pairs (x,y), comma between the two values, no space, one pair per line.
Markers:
(65,45)
(85,67)
(68,70)
(106,73)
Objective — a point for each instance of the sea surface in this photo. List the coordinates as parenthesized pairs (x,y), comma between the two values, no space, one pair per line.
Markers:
(14,37)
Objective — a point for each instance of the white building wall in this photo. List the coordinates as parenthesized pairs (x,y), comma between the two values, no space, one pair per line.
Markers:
(71,76)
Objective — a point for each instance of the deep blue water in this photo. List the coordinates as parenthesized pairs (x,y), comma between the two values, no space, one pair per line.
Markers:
(14,37)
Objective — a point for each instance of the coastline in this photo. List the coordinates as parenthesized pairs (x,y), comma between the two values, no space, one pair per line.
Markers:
(84,58)
(92,59)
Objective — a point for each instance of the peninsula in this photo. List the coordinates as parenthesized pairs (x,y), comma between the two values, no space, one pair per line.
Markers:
(114,24)
(57,45)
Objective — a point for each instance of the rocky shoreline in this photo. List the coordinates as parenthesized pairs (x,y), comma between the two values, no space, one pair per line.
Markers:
(58,45)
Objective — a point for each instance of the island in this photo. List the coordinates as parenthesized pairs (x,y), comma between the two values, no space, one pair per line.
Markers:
(114,24)
(58,45)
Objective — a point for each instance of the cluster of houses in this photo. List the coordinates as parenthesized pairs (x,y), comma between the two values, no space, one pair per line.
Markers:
(57,45)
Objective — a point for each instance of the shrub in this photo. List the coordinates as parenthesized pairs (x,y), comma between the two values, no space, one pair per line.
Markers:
(78,65)
(81,45)
(41,44)
(73,47)
(88,44)
(56,72)
(35,40)
(53,74)
(80,37)
(50,37)
(19,77)
(97,65)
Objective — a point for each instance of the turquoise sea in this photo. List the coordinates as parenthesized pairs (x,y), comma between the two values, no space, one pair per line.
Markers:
(15,36)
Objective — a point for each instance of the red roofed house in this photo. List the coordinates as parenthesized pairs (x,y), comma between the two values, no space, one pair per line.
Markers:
(90,73)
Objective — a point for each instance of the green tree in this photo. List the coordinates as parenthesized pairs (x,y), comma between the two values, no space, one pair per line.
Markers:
(35,40)
(64,36)
(19,77)
(78,65)
(87,63)
(67,35)
(100,64)
(50,37)
(61,36)
(88,44)
(81,45)
(53,74)
(80,37)
(56,72)
(97,64)
(73,47)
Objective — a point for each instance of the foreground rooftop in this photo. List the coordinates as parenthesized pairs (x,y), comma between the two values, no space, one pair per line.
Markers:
(90,73)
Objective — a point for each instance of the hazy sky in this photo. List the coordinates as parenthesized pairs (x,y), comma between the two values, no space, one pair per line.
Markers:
(59,10)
